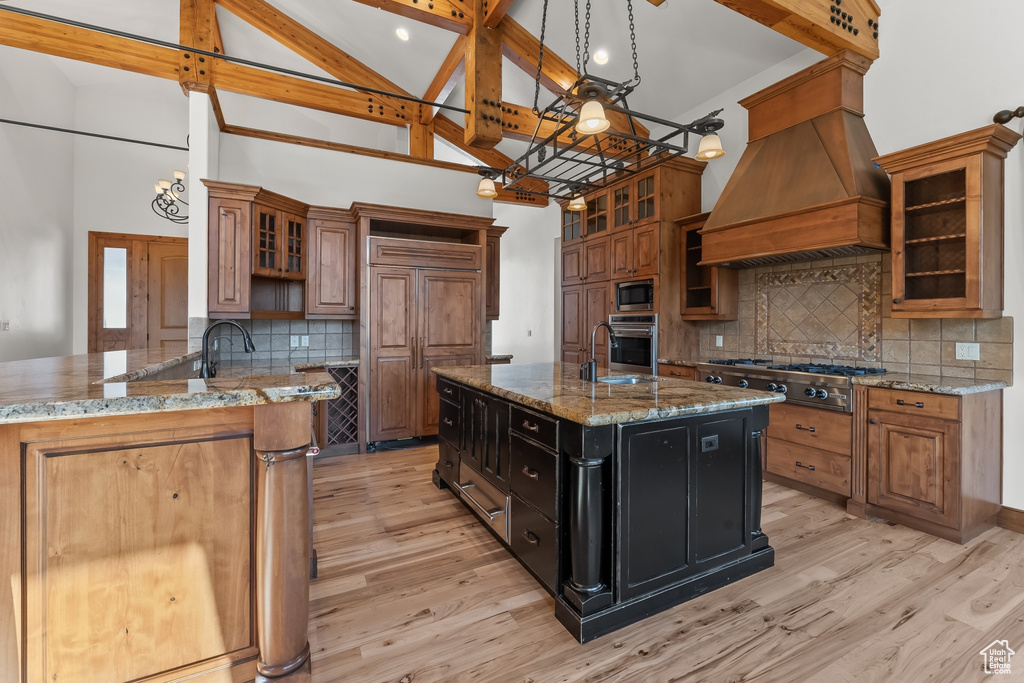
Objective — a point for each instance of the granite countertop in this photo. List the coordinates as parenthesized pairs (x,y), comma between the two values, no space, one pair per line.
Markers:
(677,361)
(555,388)
(498,356)
(954,386)
(130,382)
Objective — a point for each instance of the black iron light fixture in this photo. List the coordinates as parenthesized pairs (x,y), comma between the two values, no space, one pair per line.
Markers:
(168,202)
(582,147)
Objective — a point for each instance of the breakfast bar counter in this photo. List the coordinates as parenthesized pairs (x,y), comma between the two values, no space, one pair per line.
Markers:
(624,496)
(154,526)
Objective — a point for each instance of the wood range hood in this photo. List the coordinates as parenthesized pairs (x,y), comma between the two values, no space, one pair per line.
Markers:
(806,186)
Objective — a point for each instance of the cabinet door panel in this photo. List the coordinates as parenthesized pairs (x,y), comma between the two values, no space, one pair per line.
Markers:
(266,242)
(293,246)
(573,268)
(596,306)
(393,346)
(596,259)
(913,466)
(230,257)
(645,251)
(331,281)
(493,285)
(572,319)
(621,247)
(719,494)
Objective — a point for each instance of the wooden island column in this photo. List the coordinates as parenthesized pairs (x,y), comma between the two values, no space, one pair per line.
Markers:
(281,440)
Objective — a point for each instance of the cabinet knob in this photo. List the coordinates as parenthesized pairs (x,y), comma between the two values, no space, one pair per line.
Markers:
(895,301)
(873,421)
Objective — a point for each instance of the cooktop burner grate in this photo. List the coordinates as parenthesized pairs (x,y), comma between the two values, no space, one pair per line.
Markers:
(823,369)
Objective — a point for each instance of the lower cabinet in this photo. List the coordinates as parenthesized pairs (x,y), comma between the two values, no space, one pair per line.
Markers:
(678,372)
(934,461)
(810,447)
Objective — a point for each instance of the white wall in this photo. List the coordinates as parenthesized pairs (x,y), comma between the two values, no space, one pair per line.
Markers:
(943,71)
(113,181)
(36,207)
(527,325)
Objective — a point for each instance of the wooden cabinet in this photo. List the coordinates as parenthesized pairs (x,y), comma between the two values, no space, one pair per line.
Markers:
(706,292)
(678,372)
(487,437)
(279,239)
(637,201)
(812,447)
(331,278)
(933,462)
(634,253)
(257,253)
(947,225)
(419,319)
(492,283)
(583,306)
(596,259)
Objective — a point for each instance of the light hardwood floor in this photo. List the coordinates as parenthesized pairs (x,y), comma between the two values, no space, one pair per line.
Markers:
(413,589)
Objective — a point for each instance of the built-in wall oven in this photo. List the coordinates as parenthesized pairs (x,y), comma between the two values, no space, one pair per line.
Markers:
(637,295)
(637,337)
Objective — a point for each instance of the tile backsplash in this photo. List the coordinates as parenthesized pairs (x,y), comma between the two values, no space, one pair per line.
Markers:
(272,339)
(839,310)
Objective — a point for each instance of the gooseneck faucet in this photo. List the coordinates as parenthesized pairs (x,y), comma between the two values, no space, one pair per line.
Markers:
(588,371)
(208,368)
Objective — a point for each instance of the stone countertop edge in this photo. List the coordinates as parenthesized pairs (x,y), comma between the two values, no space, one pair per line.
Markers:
(677,361)
(952,386)
(498,356)
(576,400)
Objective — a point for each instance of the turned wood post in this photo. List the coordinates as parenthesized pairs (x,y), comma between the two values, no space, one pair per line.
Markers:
(281,440)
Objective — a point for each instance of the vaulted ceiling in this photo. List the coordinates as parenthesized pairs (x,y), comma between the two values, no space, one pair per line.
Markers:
(687,51)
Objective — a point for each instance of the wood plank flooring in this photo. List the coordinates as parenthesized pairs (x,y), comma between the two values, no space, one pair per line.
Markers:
(412,588)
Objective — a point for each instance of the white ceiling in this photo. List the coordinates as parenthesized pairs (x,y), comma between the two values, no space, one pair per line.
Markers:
(688,50)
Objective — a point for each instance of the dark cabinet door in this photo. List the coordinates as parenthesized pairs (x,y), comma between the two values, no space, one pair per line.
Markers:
(487,442)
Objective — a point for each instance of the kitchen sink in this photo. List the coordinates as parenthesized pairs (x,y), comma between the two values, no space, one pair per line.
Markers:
(620,379)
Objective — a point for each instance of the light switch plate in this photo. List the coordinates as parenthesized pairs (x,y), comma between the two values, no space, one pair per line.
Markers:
(718,340)
(305,340)
(967,351)
(295,340)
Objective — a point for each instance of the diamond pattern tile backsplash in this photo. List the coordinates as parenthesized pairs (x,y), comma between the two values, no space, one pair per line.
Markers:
(828,311)
(840,311)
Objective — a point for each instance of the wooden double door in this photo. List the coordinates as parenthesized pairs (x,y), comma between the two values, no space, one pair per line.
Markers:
(419,319)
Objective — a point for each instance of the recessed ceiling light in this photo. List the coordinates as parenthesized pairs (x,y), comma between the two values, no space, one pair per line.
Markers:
(601,56)
(402,33)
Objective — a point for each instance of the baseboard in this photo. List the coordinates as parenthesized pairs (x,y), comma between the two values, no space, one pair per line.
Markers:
(1010,518)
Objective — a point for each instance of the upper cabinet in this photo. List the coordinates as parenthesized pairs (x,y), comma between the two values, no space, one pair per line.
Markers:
(280,239)
(331,281)
(706,292)
(947,225)
(492,287)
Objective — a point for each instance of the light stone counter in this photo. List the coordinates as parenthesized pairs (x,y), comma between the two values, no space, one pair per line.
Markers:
(555,388)
(953,386)
(131,382)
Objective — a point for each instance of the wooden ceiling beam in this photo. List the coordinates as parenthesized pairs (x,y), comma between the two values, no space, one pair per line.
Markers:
(447,77)
(288,90)
(522,48)
(816,24)
(495,13)
(483,83)
(197,28)
(307,44)
(451,15)
(60,40)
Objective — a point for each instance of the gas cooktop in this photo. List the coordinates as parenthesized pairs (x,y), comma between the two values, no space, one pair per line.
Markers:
(813,384)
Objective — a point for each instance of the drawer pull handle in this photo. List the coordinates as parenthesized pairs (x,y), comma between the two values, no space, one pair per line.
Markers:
(530,537)
(809,429)
(901,402)
(448,464)
(448,391)
(806,467)
(532,474)
(530,427)
(447,422)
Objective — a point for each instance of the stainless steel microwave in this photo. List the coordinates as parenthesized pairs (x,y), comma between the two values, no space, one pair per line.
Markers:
(637,295)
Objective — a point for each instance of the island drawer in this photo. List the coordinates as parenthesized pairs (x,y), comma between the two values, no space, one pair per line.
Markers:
(533,474)
(449,425)
(821,429)
(540,428)
(534,541)
(489,504)
(447,461)
(915,403)
(448,390)
(823,469)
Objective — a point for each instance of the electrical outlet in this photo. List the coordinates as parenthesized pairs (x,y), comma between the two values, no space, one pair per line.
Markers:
(718,340)
(709,443)
(529,333)
(305,340)
(5,325)
(295,340)
(966,351)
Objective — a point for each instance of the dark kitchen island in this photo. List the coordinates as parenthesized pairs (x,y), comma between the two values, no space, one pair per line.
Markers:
(623,499)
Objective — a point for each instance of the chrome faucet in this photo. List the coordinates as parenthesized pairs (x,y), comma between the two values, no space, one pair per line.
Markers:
(588,371)
(208,368)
